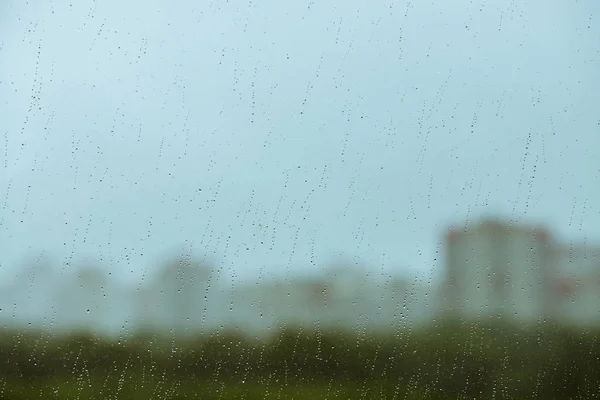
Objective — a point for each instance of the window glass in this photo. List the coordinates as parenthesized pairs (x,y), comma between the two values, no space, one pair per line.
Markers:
(299,200)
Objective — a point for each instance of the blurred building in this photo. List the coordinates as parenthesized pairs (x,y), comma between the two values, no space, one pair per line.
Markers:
(260,308)
(81,300)
(175,298)
(575,291)
(345,297)
(146,307)
(498,269)
(25,300)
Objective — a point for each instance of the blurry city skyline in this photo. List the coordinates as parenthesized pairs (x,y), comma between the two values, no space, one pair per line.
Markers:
(489,266)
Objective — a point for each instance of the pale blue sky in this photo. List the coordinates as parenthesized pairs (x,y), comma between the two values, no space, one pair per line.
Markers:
(281,134)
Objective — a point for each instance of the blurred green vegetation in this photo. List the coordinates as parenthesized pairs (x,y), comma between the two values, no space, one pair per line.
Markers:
(450,360)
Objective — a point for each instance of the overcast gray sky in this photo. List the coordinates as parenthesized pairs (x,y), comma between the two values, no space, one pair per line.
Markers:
(277,135)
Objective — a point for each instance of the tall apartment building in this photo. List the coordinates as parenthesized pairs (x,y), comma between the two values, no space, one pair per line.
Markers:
(496,269)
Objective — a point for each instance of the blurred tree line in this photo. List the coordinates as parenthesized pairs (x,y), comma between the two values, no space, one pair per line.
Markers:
(450,359)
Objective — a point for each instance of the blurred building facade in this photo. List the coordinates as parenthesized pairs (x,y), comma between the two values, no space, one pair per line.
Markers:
(497,269)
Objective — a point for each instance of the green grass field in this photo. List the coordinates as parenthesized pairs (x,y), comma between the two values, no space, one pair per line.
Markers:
(157,387)
(453,361)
